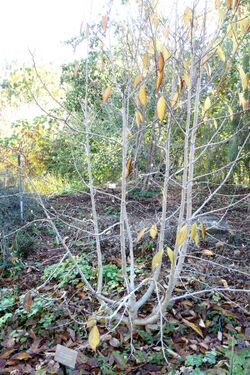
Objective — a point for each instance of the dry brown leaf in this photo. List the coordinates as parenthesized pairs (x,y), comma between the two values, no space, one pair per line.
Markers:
(180,85)
(140,234)
(22,355)
(161,108)
(160,62)
(225,312)
(6,353)
(128,167)
(229,4)
(106,94)
(159,80)
(27,303)
(208,253)
(193,326)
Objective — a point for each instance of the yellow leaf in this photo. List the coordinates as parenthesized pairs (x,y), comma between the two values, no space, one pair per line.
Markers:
(94,338)
(143,95)
(160,63)
(161,108)
(159,45)
(106,94)
(188,15)
(166,53)
(79,285)
(207,253)
(145,60)
(140,234)
(159,80)
(128,167)
(170,255)
(220,53)
(203,231)
(155,20)
(244,24)
(153,231)
(224,282)
(137,79)
(197,239)
(207,104)
(221,14)
(91,322)
(174,99)
(193,326)
(156,261)
(244,78)
(181,235)
(186,64)
(151,49)
(231,29)
(186,79)
(138,118)
(194,231)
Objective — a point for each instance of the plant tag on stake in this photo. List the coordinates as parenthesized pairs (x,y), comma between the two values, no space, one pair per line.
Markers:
(66,356)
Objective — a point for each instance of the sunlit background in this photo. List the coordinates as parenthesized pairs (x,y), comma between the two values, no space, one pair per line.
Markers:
(43,26)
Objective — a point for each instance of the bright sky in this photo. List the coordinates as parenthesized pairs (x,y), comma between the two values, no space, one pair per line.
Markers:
(42,26)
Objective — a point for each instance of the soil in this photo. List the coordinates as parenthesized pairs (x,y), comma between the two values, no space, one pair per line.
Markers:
(227,264)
